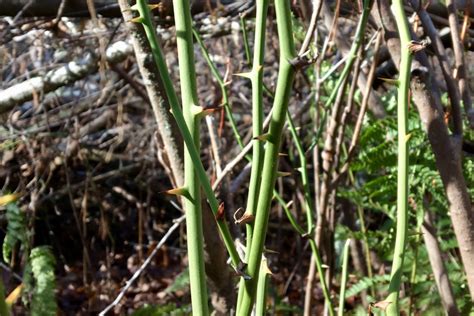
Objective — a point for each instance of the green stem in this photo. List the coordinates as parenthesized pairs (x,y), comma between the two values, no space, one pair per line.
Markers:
(145,19)
(345,264)
(243,26)
(365,239)
(283,91)
(192,205)
(304,176)
(309,211)
(256,78)
(290,216)
(322,280)
(352,56)
(402,177)
(261,299)
(222,86)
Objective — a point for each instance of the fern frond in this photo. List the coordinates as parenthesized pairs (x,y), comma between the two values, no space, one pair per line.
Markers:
(42,264)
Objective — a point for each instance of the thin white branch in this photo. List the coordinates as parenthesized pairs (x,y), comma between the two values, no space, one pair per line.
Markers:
(135,276)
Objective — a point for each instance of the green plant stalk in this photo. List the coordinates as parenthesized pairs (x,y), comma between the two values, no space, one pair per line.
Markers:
(290,216)
(283,91)
(256,78)
(237,136)
(261,300)
(222,86)
(368,258)
(402,176)
(243,26)
(309,207)
(193,211)
(145,19)
(414,269)
(345,264)
(309,211)
(314,249)
(352,56)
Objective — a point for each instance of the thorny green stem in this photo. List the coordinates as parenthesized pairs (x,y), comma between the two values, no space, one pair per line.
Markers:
(256,78)
(145,19)
(192,205)
(283,91)
(393,308)
(309,211)
(365,239)
(222,86)
(345,263)
(263,277)
(290,216)
(309,207)
(314,249)
(351,57)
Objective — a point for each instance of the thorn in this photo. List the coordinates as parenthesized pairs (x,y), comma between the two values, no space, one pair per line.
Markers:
(183,191)
(210,110)
(134,7)
(266,269)
(202,112)
(263,137)
(220,212)
(266,250)
(176,191)
(407,137)
(138,19)
(247,75)
(289,204)
(389,81)
(299,169)
(155,6)
(197,110)
(283,174)
(259,68)
(244,219)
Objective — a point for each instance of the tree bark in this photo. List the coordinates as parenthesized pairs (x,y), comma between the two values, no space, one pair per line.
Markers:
(437,264)
(426,97)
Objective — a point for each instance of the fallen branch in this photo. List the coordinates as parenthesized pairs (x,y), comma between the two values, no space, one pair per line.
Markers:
(71,72)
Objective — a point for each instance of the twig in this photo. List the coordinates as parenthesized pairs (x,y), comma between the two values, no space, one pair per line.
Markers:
(459,73)
(363,110)
(228,168)
(145,264)
(312,27)
(453,89)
